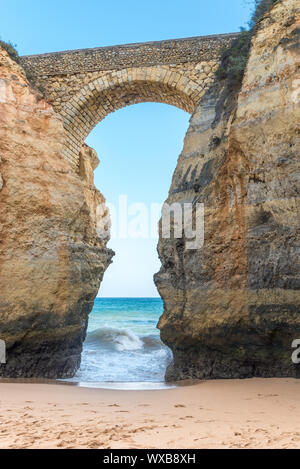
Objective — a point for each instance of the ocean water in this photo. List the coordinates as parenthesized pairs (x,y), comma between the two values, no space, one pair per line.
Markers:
(123,343)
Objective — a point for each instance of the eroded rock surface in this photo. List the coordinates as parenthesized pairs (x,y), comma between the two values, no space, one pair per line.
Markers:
(51,257)
(232,308)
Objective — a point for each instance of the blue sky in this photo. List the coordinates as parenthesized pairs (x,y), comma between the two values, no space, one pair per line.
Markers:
(138,146)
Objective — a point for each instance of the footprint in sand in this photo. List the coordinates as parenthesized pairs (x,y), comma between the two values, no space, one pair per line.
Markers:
(94,445)
(257,430)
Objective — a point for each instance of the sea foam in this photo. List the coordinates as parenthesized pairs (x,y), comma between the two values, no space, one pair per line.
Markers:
(123,343)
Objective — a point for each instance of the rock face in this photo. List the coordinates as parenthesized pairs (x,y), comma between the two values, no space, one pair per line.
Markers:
(232,308)
(52,258)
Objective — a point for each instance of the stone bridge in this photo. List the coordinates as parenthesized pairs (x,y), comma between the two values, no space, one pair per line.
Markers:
(86,85)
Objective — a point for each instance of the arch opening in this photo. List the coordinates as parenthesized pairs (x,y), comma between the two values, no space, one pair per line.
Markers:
(123,333)
(116,90)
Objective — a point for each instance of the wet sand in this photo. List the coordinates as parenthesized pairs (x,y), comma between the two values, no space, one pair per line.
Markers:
(254,413)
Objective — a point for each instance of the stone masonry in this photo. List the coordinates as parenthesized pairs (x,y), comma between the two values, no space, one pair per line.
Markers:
(86,85)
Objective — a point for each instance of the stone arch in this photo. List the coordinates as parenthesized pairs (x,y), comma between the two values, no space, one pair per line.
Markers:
(117,89)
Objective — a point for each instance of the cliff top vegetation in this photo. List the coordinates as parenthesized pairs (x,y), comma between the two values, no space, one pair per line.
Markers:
(10,49)
(234,59)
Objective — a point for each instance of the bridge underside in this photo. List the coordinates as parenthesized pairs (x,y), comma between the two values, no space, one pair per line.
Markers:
(105,95)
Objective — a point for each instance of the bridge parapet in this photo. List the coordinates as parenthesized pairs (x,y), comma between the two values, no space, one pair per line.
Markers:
(172,51)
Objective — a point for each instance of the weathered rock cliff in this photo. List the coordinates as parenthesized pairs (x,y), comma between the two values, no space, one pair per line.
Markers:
(51,256)
(232,308)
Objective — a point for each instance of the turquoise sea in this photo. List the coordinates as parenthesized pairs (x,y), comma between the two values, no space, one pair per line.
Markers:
(123,343)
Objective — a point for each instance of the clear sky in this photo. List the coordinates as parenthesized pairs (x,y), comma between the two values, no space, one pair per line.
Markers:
(139,145)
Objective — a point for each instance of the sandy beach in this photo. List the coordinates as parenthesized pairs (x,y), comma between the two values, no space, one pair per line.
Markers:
(254,413)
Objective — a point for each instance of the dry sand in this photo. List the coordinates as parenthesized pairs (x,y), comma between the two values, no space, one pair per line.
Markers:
(254,413)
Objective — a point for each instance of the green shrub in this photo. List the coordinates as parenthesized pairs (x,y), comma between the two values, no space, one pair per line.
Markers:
(234,59)
(261,8)
(10,49)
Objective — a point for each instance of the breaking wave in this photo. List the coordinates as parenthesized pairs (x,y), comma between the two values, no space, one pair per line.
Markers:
(121,339)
